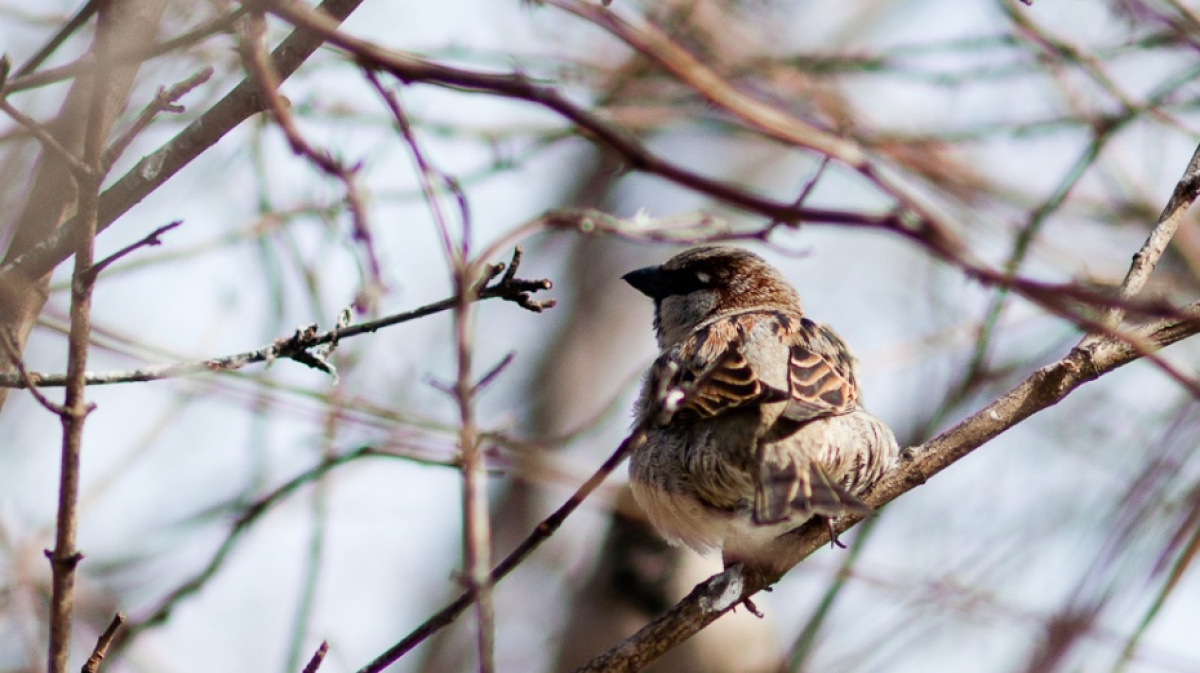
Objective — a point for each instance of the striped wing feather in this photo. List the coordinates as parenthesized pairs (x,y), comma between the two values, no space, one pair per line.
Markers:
(820,374)
(821,383)
(730,384)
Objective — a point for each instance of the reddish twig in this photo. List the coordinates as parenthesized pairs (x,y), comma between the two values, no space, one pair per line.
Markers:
(315,662)
(261,68)
(149,240)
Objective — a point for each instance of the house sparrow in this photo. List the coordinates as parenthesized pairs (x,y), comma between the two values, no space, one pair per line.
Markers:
(769,432)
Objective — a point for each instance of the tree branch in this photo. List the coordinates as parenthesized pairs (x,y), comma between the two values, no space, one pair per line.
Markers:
(298,347)
(150,239)
(1144,261)
(102,643)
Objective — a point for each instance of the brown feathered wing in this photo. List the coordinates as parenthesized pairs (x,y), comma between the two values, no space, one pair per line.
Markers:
(791,482)
(820,383)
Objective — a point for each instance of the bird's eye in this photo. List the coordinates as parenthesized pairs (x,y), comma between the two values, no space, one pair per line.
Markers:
(684,281)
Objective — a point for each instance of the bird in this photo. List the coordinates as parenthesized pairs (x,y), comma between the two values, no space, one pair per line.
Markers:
(764,427)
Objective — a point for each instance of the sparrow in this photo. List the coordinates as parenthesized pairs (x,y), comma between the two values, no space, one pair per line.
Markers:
(765,429)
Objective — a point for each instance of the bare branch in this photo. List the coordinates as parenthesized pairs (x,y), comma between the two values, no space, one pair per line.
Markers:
(1182,198)
(297,347)
(261,68)
(426,175)
(65,557)
(150,239)
(14,356)
(43,135)
(101,649)
(494,373)
(315,662)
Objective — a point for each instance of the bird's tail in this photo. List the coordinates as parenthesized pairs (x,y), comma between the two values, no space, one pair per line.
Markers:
(800,492)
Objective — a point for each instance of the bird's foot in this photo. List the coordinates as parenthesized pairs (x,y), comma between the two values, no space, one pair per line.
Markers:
(751,607)
(834,542)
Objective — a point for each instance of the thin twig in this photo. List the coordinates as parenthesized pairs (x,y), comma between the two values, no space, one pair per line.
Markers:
(43,135)
(315,662)
(150,239)
(468,276)
(102,643)
(494,373)
(296,347)
(1182,197)
(477,534)
(261,68)
(164,101)
(426,174)
(30,384)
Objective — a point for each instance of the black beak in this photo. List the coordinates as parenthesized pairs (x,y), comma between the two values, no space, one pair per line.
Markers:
(649,281)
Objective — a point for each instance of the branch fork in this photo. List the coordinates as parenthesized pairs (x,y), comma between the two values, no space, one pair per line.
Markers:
(511,288)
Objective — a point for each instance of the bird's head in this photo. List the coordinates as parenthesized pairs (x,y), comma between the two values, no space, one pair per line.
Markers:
(709,282)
